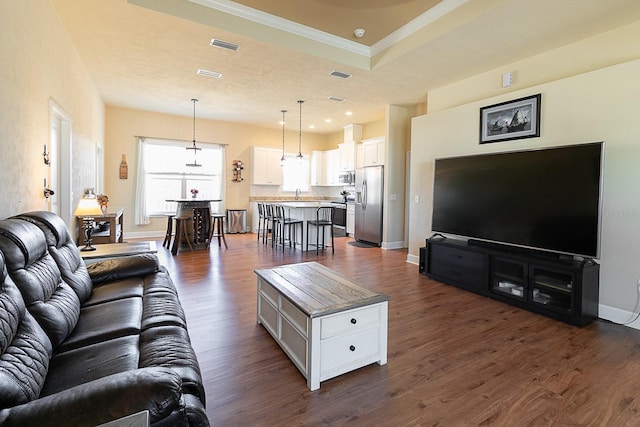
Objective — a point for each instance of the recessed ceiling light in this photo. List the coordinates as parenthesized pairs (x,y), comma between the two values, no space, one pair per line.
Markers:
(223,44)
(336,98)
(208,73)
(340,74)
(312,127)
(327,120)
(349,113)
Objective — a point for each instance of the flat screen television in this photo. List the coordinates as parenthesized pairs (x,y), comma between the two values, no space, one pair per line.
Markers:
(545,199)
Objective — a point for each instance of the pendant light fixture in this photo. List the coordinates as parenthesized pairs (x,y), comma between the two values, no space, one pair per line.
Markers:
(282,159)
(299,156)
(193,146)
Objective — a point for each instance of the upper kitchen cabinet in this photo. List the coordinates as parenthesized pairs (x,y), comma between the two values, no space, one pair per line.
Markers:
(318,168)
(332,163)
(266,168)
(371,152)
(347,150)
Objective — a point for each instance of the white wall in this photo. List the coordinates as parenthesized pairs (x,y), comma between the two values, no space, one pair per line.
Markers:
(600,105)
(40,64)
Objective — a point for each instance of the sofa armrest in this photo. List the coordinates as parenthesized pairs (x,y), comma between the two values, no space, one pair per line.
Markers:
(156,389)
(122,267)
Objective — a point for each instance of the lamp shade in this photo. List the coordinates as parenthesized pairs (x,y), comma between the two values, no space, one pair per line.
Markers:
(88,206)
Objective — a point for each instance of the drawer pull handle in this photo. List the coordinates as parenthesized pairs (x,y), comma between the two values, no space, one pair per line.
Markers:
(354,321)
(352,347)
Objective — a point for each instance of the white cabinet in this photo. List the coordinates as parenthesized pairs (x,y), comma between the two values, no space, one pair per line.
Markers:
(332,167)
(318,168)
(372,152)
(351,219)
(266,169)
(347,152)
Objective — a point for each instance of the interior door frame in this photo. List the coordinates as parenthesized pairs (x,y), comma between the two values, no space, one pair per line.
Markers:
(63,159)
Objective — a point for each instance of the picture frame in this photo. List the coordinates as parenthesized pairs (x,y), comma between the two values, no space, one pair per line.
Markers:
(516,119)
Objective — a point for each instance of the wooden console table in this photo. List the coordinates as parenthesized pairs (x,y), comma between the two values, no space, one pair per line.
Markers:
(326,324)
(112,224)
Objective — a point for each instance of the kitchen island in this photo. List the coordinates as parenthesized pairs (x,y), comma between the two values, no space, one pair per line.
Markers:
(306,211)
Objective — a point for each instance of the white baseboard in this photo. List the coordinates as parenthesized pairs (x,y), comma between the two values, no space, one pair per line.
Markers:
(413,259)
(392,245)
(616,315)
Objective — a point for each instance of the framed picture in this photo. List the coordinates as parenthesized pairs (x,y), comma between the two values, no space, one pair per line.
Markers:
(509,120)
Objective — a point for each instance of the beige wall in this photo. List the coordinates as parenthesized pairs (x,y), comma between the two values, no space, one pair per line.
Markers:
(123,125)
(596,106)
(39,65)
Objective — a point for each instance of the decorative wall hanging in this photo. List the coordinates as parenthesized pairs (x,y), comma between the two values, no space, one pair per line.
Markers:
(124,168)
(237,167)
(509,120)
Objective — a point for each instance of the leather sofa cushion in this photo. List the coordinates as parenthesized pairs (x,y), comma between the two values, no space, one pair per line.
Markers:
(112,291)
(92,362)
(103,322)
(156,390)
(119,268)
(169,346)
(25,349)
(63,249)
(48,298)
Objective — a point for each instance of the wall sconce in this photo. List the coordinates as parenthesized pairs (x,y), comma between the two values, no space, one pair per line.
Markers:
(45,155)
(47,191)
(88,208)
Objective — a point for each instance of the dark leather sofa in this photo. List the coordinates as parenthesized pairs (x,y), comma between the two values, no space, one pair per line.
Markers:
(84,345)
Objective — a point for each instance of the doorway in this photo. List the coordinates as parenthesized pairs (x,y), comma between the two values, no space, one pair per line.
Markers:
(60,165)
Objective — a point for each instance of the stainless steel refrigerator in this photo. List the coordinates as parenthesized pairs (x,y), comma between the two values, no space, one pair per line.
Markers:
(369,194)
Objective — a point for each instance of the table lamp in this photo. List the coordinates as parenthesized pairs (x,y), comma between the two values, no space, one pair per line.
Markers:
(88,208)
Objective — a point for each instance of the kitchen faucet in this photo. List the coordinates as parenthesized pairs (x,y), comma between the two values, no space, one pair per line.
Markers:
(298,193)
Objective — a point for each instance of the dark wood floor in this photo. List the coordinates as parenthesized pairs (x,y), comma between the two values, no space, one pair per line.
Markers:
(455,358)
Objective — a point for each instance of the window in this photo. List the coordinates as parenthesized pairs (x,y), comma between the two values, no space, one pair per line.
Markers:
(164,174)
(295,174)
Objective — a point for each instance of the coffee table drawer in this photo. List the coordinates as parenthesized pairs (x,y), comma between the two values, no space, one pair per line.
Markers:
(351,321)
(339,353)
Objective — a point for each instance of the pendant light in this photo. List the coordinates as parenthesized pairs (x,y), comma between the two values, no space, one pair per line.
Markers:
(299,156)
(193,146)
(282,159)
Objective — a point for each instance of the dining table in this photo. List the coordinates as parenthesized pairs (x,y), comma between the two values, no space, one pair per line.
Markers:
(198,212)
(306,211)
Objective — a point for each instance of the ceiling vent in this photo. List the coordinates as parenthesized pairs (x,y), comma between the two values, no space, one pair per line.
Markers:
(208,73)
(340,74)
(223,44)
(336,98)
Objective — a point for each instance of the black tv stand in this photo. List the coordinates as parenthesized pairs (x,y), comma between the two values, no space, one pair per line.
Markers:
(559,287)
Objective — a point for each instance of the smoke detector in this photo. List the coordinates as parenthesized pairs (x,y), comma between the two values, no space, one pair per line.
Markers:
(359,32)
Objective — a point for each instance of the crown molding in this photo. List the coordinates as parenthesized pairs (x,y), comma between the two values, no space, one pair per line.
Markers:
(421,21)
(276,22)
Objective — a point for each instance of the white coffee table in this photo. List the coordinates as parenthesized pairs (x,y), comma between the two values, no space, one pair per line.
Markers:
(325,323)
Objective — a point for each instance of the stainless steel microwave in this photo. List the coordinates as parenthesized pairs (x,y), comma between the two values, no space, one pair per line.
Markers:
(347,178)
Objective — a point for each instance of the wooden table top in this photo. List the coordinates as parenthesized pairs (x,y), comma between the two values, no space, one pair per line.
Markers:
(318,290)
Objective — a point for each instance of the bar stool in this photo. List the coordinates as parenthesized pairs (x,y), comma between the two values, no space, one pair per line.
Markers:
(283,222)
(262,222)
(169,233)
(324,219)
(268,223)
(181,230)
(217,222)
